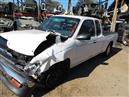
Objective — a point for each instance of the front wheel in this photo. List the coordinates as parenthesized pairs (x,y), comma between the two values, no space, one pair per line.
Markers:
(53,79)
(56,75)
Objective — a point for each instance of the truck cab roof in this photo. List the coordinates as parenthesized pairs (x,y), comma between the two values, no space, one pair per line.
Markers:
(79,17)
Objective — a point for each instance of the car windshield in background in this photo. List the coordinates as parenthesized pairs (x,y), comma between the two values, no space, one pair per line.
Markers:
(63,25)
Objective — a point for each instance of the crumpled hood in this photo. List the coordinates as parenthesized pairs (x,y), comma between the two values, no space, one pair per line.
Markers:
(26,41)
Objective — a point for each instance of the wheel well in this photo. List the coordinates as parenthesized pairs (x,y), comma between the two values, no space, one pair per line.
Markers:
(111,43)
(63,64)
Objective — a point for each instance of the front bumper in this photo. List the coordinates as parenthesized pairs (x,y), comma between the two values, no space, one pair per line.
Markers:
(5,73)
(8,72)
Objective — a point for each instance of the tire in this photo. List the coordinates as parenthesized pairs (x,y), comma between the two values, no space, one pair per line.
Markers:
(28,94)
(108,50)
(56,75)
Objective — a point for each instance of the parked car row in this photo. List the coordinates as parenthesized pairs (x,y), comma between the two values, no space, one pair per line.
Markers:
(22,23)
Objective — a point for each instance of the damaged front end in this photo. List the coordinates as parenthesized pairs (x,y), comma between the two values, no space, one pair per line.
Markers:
(11,70)
(14,78)
(16,70)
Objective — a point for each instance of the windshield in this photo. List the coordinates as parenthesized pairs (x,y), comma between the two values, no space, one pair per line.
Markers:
(63,25)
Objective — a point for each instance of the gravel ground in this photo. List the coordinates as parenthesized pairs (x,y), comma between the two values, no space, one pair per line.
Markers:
(97,77)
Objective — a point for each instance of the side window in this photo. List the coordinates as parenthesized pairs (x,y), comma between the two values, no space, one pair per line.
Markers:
(87,28)
(98,30)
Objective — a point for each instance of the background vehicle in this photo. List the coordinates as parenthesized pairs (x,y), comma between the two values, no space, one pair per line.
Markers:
(43,58)
(24,23)
(6,25)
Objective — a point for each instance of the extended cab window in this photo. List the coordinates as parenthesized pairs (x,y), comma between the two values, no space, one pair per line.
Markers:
(87,28)
(98,29)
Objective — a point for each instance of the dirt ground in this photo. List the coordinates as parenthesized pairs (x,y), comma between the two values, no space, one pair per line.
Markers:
(97,77)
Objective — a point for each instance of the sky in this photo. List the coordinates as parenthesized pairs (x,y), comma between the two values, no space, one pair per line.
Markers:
(63,2)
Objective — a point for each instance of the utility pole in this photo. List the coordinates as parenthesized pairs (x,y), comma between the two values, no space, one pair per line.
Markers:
(18,4)
(99,4)
(13,1)
(38,10)
(21,5)
(106,4)
(113,24)
(69,6)
(106,8)
(14,10)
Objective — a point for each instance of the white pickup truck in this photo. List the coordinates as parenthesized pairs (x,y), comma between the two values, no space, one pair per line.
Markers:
(42,57)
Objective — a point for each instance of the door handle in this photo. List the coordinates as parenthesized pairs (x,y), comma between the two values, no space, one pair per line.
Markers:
(93,42)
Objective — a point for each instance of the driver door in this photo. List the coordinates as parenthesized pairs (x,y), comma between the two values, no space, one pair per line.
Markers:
(85,42)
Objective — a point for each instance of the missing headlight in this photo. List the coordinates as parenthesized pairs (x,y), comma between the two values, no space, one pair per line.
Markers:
(32,69)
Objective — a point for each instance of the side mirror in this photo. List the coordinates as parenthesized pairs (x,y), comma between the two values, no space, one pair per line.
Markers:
(84,37)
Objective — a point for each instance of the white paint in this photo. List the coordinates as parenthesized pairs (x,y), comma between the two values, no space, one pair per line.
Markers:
(26,41)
